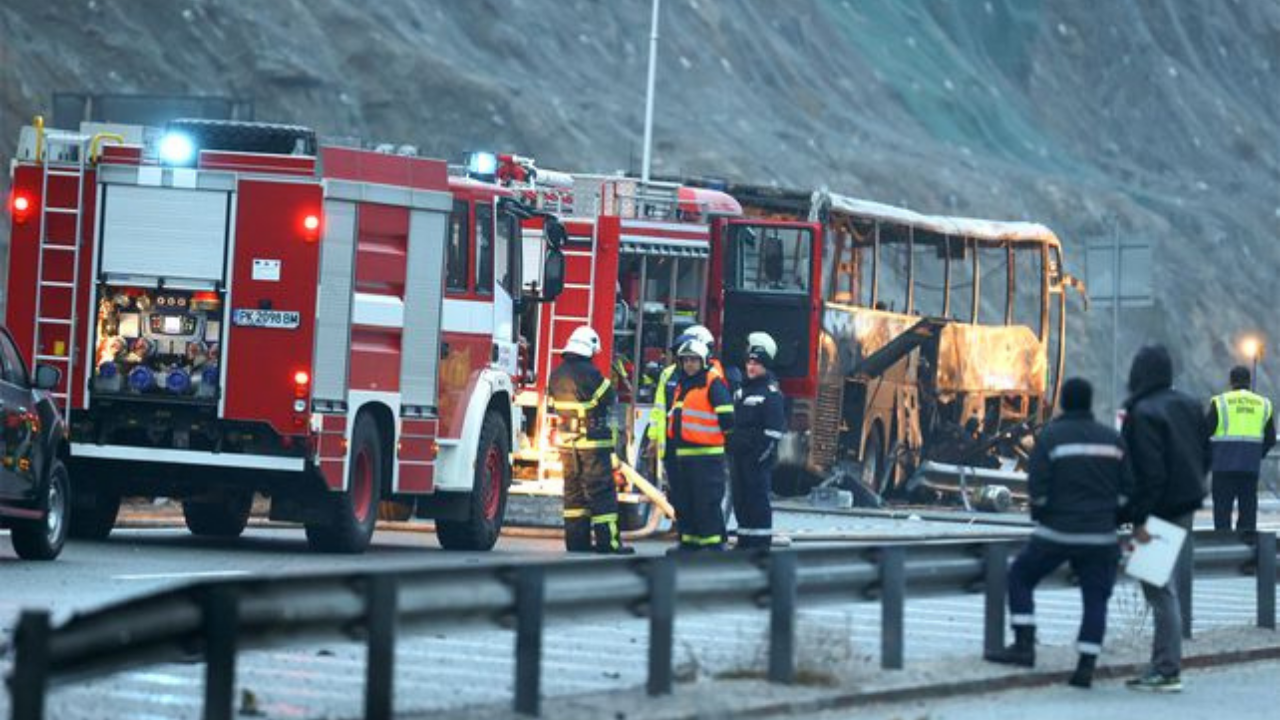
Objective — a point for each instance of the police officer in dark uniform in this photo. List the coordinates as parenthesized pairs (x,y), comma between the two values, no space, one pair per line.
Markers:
(583,401)
(759,421)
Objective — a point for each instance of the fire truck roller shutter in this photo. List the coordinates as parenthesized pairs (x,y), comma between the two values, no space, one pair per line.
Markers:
(423,298)
(165,231)
(333,326)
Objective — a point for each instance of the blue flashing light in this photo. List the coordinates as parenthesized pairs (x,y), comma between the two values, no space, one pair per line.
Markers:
(482,164)
(177,149)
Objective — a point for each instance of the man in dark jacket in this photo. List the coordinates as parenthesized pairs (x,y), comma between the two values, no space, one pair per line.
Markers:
(582,400)
(1079,482)
(1169,451)
(1243,432)
(759,420)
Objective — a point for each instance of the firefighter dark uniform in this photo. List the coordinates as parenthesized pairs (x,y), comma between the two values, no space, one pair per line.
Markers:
(583,401)
(700,419)
(758,423)
(1243,432)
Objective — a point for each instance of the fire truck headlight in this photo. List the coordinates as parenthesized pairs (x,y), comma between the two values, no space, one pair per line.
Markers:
(177,149)
(482,164)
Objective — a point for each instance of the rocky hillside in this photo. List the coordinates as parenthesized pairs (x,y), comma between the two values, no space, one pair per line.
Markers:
(1161,117)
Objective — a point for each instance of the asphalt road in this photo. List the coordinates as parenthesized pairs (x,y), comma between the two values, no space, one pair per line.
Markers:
(1242,692)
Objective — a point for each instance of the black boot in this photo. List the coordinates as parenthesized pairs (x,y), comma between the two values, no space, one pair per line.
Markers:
(577,534)
(1083,676)
(1021,652)
(605,535)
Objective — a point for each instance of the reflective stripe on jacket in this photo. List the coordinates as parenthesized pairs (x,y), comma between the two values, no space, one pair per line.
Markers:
(701,414)
(1238,438)
(583,400)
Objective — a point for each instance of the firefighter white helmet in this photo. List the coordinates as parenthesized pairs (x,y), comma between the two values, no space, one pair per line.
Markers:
(701,334)
(694,348)
(584,341)
(761,343)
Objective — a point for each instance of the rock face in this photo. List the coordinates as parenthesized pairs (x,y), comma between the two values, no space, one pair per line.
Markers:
(1158,120)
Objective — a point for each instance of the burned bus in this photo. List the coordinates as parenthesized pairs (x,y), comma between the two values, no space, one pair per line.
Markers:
(917,351)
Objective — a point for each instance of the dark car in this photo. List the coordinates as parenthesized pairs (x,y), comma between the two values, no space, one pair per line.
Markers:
(34,485)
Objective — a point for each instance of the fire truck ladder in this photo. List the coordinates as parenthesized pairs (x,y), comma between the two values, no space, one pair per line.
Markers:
(547,467)
(65,157)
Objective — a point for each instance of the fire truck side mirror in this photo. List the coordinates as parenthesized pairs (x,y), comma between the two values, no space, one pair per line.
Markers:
(554,233)
(552,275)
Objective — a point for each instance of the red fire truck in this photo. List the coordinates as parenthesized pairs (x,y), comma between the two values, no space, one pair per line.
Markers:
(237,310)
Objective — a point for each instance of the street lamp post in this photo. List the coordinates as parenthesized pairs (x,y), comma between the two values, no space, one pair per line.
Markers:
(1253,348)
(648,98)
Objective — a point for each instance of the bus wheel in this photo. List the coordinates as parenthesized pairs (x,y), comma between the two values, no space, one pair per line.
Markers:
(488,493)
(93,510)
(353,514)
(226,518)
(866,479)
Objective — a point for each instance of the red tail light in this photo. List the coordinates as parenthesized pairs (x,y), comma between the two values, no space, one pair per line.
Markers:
(301,383)
(311,227)
(20,206)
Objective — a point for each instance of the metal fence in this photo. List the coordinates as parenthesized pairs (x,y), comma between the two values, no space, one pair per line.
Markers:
(215,620)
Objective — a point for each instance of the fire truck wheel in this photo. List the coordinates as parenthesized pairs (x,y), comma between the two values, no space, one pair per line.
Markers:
(93,512)
(354,513)
(224,519)
(43,539)
(488,495)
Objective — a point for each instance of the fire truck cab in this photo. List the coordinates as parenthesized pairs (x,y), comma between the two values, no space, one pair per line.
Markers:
(238,310)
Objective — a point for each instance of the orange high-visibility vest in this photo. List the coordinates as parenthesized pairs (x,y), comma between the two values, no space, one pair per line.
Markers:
(699,423)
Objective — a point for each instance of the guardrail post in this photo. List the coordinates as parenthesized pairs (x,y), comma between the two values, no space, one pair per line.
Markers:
(1185,574)
(380,622)
(995,575)
(220,626)
(662,610)
(530,589)
(1265,565)
(30,679)
(893,595)
(782,617)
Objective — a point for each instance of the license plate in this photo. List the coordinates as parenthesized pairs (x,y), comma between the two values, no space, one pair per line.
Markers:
(285,319)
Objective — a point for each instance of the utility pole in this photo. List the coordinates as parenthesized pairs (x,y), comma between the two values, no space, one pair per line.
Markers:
(1115,317)
(648,100)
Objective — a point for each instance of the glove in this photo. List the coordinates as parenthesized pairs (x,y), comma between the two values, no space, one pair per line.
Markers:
(768,453)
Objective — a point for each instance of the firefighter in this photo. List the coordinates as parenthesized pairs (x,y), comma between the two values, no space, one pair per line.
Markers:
(700,419)
(583,399)
(1244,431)
(759,422)
(732,376)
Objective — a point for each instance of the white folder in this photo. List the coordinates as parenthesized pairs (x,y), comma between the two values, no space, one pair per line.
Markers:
(1153,562)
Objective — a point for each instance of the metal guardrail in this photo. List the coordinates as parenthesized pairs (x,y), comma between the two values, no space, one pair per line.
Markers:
(217,619)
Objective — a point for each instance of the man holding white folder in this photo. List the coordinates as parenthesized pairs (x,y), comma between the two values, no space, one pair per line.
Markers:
(1168,442)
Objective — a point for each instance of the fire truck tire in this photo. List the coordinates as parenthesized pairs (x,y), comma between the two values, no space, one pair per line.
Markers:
(353,514)
(225,519)
(93,513)
(43,539)
(236,135)
(489,492)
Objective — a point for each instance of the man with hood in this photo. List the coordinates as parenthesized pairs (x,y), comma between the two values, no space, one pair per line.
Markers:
(1168,441)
